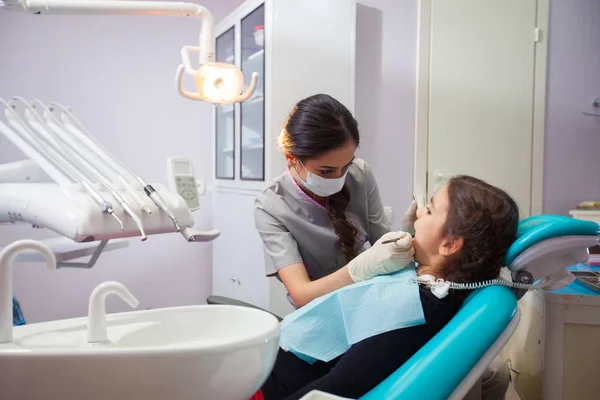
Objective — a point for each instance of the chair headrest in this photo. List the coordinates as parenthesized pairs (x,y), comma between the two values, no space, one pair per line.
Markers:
(538,228)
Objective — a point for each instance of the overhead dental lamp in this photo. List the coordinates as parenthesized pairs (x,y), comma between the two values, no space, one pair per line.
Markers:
(218,83)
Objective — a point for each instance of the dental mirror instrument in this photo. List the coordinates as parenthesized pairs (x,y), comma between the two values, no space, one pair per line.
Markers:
(391,240)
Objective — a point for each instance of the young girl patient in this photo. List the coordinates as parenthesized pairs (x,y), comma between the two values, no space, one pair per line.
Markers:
(462,235)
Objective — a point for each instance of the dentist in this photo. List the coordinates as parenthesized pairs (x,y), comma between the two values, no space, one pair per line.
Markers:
(322,222)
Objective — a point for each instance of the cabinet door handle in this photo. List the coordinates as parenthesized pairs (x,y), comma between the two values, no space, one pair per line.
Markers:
(232,279)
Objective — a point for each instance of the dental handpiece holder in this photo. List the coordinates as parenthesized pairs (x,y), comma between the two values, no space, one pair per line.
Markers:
(76,187)
(71,212)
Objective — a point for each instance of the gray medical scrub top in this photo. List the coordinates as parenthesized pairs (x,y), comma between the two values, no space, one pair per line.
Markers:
(296,229)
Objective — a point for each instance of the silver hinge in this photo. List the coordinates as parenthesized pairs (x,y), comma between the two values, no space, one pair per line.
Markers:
(536,34)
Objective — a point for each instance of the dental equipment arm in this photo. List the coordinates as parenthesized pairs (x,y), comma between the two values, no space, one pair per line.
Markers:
(70,208)
(87,139)
(84,161)
(92,145)
(107,7)
(218,83)
(49,157)
(70,211)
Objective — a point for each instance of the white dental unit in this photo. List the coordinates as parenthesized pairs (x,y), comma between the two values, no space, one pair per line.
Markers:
(73,186)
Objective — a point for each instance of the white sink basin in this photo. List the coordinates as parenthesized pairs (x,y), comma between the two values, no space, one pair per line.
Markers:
(198,352)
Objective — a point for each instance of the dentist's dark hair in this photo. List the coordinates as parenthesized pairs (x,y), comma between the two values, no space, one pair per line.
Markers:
(319,124)
(486,218)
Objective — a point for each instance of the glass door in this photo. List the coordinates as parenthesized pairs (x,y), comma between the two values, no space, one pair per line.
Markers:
(252,133)
(225,113)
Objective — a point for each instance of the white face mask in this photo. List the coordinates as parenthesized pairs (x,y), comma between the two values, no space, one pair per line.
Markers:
(321,186)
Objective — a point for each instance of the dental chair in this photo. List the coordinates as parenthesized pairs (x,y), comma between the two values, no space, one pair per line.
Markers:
(457,356)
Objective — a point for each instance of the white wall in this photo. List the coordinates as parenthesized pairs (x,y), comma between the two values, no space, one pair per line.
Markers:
(572,141)
(117,73)
(385,95)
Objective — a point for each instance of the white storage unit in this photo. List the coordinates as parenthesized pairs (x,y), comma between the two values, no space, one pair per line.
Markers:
(588,215)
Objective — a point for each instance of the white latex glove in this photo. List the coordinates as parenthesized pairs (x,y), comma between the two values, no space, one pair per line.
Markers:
(382,258)
(408,221)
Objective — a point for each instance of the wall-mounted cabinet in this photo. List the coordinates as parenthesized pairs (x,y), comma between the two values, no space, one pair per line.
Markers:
(298,49)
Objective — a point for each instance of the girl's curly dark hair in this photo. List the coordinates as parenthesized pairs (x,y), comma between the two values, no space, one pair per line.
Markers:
(486,218)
